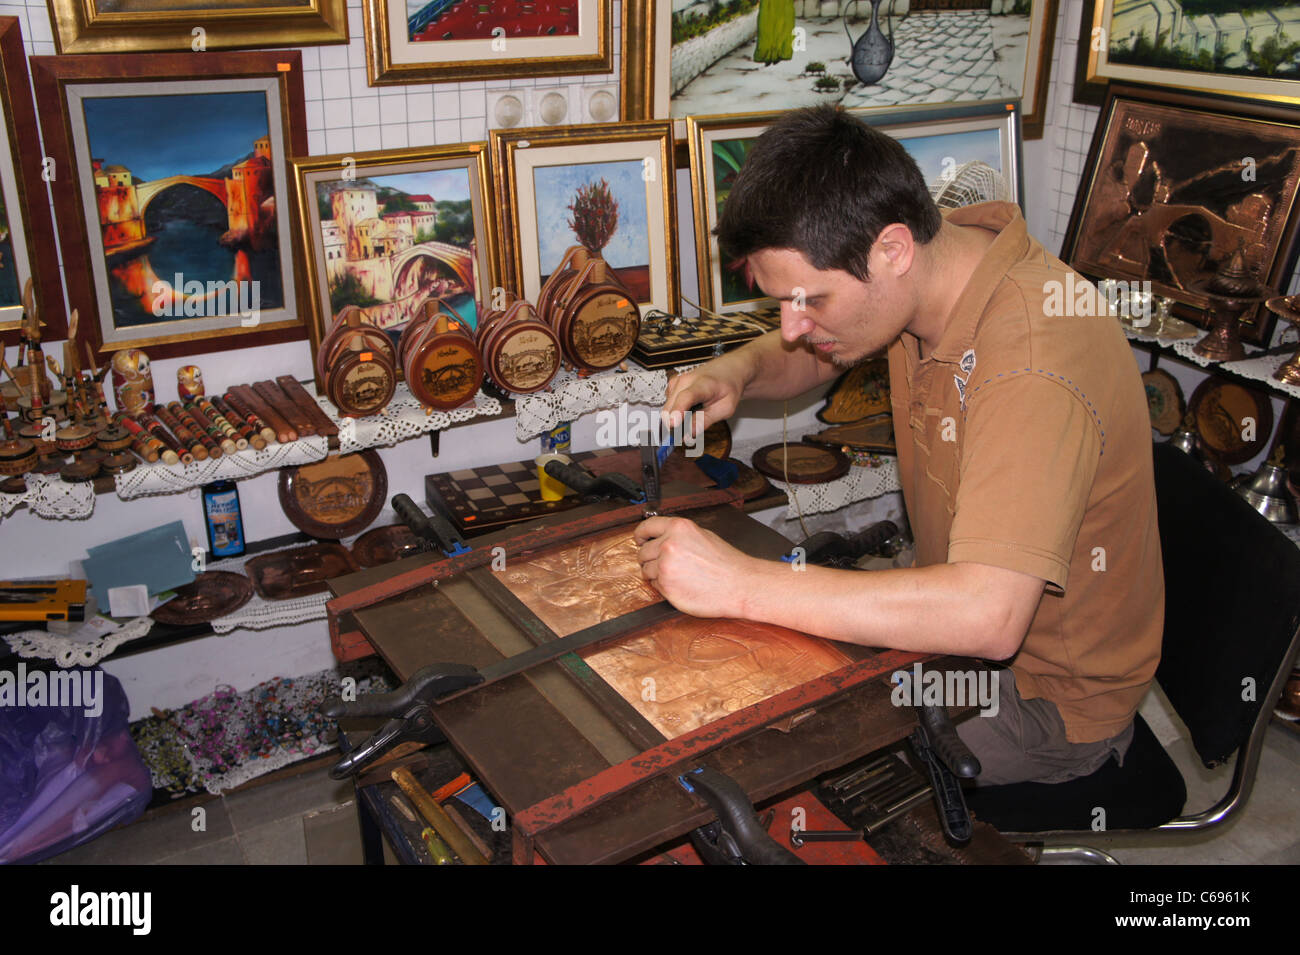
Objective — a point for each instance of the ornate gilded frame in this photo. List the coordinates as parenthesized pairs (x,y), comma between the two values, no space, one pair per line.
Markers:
(646,64)
(26,203)
(901,122)
(80,26)
(308,171)
(389,63)
(649,141)
(62,82)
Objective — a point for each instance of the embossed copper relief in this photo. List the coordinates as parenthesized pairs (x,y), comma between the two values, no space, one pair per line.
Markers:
(579,586)
(697,671)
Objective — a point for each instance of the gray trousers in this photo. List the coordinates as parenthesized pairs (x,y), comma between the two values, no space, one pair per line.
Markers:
(1025,742)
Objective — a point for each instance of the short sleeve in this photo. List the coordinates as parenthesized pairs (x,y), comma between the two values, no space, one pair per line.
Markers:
(1028,458)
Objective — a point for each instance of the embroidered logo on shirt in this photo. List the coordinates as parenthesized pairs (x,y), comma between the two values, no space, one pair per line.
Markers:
(967,363)
(961,389)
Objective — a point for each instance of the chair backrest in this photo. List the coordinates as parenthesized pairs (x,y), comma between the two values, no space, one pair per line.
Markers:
(1232,604)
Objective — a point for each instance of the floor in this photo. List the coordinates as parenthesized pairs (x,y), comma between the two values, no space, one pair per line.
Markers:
(302,817)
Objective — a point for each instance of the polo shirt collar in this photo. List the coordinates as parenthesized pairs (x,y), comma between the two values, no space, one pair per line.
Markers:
(1009,246)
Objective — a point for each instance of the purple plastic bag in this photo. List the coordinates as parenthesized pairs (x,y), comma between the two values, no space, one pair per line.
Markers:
(68,774)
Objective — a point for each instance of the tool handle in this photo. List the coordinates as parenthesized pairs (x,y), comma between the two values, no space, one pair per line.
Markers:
(572,475)
(945,742)
(426,684)
(737,818)
(434,528)
(953,814)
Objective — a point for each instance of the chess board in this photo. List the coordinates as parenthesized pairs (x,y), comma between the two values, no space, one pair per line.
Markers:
(661,345)
(478,500)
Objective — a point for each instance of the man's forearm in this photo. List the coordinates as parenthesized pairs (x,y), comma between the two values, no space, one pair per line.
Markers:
(935,609)
(772,369)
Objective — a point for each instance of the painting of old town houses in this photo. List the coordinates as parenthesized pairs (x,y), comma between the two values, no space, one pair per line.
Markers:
(757,55)
(181,218)
(393,242)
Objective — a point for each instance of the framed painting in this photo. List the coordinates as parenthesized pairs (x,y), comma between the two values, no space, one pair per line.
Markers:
(940,139)
(438,41)
(139,26)
(169,187)
(27,249)
(388,230)
(1207,46)
(555,183)
(1179,182)
(773,55)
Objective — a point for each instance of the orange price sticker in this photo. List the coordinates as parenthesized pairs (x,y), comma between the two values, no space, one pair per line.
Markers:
(284,67)
(623,303)
(367,356)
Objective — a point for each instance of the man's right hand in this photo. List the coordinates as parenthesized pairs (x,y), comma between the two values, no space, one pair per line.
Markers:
(717,386)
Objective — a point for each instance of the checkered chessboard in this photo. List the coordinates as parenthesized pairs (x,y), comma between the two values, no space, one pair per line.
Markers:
(662,344)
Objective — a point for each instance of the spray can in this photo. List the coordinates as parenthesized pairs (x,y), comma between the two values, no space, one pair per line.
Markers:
(222,519)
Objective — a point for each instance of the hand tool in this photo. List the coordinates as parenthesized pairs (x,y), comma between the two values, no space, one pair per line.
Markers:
(437,818)
(652,462)
(829,549)
(433,528)
(737,838)
(592,487)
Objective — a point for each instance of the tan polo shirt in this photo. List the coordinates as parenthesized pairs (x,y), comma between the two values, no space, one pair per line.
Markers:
(1031,450)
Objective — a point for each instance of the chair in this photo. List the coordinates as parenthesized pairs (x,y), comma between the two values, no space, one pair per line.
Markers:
(1232,616)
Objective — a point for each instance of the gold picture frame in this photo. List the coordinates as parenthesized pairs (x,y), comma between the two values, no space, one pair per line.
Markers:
(937,137)
(141,26)
(393,168)
(533,168)
(647,85)
(393,57)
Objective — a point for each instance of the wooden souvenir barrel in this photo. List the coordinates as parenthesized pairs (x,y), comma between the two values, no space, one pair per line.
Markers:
(17,456)
(351,333)
(520,353)
(361,381)
(595,318)
(575,258)
(442,364)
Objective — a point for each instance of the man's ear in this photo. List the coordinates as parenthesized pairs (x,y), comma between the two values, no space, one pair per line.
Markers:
(895,248)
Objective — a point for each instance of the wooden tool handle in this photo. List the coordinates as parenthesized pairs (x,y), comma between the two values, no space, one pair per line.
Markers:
(284,431)
(272,394)
(299,395)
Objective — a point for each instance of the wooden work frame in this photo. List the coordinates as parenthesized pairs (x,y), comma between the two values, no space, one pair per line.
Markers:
(99,234)
(128,26)
(28,250)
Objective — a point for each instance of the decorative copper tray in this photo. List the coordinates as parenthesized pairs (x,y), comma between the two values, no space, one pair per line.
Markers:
(337,497)
(213,594)
(301,572)
(1221,408)
(861,392)
(383,545)
(800,463)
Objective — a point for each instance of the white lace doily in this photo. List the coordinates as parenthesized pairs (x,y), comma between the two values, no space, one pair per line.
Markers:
(51,498)
(82,648)
(860,484)
(171,479)
(570,397)
(403,418)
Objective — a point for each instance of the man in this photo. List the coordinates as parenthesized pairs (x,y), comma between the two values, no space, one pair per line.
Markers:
(1023,445)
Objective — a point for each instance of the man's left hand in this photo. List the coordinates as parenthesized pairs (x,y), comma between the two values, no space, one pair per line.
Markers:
(696,570)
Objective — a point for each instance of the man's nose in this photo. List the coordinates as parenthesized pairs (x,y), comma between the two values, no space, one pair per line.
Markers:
(794,322)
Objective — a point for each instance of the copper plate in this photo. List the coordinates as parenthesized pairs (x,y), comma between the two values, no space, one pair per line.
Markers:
(301,572)
(337,497)
(382,545)
(1221,408)
(213,594)
(800,463)
(861,391)
(1164,400)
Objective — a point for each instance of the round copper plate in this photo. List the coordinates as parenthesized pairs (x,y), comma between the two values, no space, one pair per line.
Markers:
(213,594)
(800,463)
(385,544)
(337,497)
(1223,411)
(1164,400)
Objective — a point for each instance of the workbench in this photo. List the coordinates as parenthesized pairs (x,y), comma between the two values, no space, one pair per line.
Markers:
(582,776)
